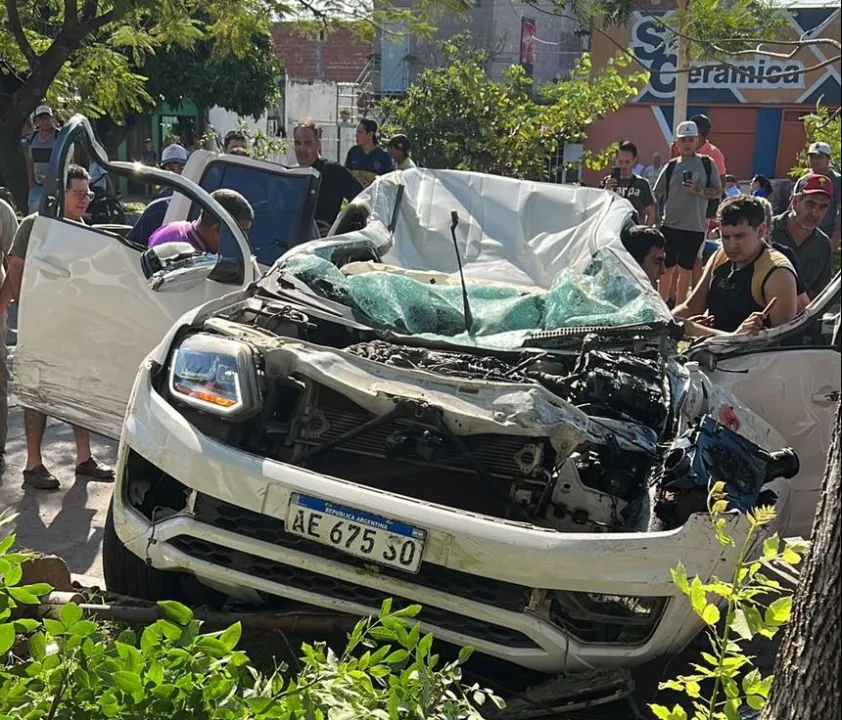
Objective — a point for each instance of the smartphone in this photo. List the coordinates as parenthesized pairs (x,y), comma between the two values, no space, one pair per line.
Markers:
(615,174)
(686,176)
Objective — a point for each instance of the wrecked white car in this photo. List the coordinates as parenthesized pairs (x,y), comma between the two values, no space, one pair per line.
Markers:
(468,397)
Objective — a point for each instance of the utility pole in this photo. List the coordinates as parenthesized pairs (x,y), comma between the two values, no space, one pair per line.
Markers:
(682,66)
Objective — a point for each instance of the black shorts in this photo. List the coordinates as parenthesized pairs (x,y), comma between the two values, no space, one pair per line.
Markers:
(682,247)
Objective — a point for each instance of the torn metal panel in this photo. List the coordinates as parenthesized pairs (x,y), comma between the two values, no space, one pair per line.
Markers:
(470,407)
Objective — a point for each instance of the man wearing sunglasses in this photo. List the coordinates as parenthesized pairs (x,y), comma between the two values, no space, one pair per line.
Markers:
(77,197)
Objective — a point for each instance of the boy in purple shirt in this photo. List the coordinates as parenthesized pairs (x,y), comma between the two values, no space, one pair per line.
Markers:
(203,234)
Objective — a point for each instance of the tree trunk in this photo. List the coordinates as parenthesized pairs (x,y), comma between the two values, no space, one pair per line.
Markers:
(808,670)
(112,135)
(13,163)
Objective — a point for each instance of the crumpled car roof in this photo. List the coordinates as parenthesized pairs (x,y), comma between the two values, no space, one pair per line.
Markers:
(536,257)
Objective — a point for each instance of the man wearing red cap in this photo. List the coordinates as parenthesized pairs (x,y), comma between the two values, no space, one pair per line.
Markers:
(799,230)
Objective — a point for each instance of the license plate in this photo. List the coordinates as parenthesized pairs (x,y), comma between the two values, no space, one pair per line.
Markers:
(368,536)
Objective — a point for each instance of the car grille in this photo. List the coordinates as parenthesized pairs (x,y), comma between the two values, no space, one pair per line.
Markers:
(504,456)
(328,586)
(223,515)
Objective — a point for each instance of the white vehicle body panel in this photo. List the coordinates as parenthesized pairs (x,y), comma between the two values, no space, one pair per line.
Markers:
(792,389)
(87,319)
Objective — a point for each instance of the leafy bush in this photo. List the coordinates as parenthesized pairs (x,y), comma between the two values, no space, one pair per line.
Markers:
(726,682)
(75,668)
(459,118)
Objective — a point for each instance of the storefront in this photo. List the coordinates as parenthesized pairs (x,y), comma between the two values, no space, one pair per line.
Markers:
(755,103)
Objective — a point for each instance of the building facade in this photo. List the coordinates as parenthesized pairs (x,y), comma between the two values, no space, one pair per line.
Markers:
(512,32)
(755,103)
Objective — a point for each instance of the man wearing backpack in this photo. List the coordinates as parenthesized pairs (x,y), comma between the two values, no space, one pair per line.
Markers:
(39,150)
(687,184)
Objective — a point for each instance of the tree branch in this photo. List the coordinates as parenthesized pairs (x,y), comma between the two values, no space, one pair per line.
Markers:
(16,29)
(70,15)
(88,10)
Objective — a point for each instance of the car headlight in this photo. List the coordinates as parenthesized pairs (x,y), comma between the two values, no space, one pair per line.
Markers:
(215,374)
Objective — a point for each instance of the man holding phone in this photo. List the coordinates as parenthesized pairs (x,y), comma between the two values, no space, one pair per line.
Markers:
(631,186)
(686,184)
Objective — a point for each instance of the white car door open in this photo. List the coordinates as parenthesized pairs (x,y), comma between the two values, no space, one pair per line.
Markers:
(88,316)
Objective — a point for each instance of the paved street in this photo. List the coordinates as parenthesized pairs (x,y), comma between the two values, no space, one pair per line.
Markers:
(67,522)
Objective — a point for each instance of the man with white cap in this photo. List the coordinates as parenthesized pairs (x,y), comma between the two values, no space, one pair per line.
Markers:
(173,159)
(686,184)
(39,150)
(820,154)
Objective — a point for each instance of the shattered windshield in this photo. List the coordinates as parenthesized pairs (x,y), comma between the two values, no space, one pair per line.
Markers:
(536,257)
(605,294)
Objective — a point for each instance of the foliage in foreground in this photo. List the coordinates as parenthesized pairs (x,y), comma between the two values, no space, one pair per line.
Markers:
(459,118)
(74,668)
(726,681)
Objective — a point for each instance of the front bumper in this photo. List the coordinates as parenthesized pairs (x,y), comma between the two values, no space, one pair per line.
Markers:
(484,581)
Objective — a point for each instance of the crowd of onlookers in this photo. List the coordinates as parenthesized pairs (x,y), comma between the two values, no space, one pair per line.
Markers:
(720,257)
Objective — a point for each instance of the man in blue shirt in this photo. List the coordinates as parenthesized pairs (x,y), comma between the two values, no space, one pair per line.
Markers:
(366,160)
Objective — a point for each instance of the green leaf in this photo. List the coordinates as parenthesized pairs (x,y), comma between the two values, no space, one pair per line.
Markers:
(38,646)
(465,654)
(231,636)
(7,637)
(23,596)
(132,656)
(740,625)
(176,611)
(711,614)
(398,656)
(697,596)
(6,543)
(54,627)
(732,709)
(790,556)
(660,712)
(756,702)
(70,614)
(128,682)
(752,682)
(779,612)
(155,673)
(83,628)
(679,578)
(425,645)
(26,625)
(770,547)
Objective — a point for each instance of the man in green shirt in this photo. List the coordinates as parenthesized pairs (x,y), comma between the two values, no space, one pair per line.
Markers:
(798,229)
(77,197)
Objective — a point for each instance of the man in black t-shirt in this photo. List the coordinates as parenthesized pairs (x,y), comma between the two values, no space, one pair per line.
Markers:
(337,183)
(366,160)
(633,187)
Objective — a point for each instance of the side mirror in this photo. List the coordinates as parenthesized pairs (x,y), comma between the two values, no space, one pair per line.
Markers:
(176,267)
(185,275)
(160,257)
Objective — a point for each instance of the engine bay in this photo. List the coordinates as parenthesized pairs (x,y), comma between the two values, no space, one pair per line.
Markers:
(626,472)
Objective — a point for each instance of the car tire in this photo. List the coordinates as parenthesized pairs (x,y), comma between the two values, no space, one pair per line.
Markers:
(127,574)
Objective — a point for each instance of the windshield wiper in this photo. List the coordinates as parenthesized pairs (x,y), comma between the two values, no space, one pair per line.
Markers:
(469,320)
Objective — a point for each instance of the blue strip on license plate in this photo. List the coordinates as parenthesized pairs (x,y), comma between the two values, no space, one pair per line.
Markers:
(357,516)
